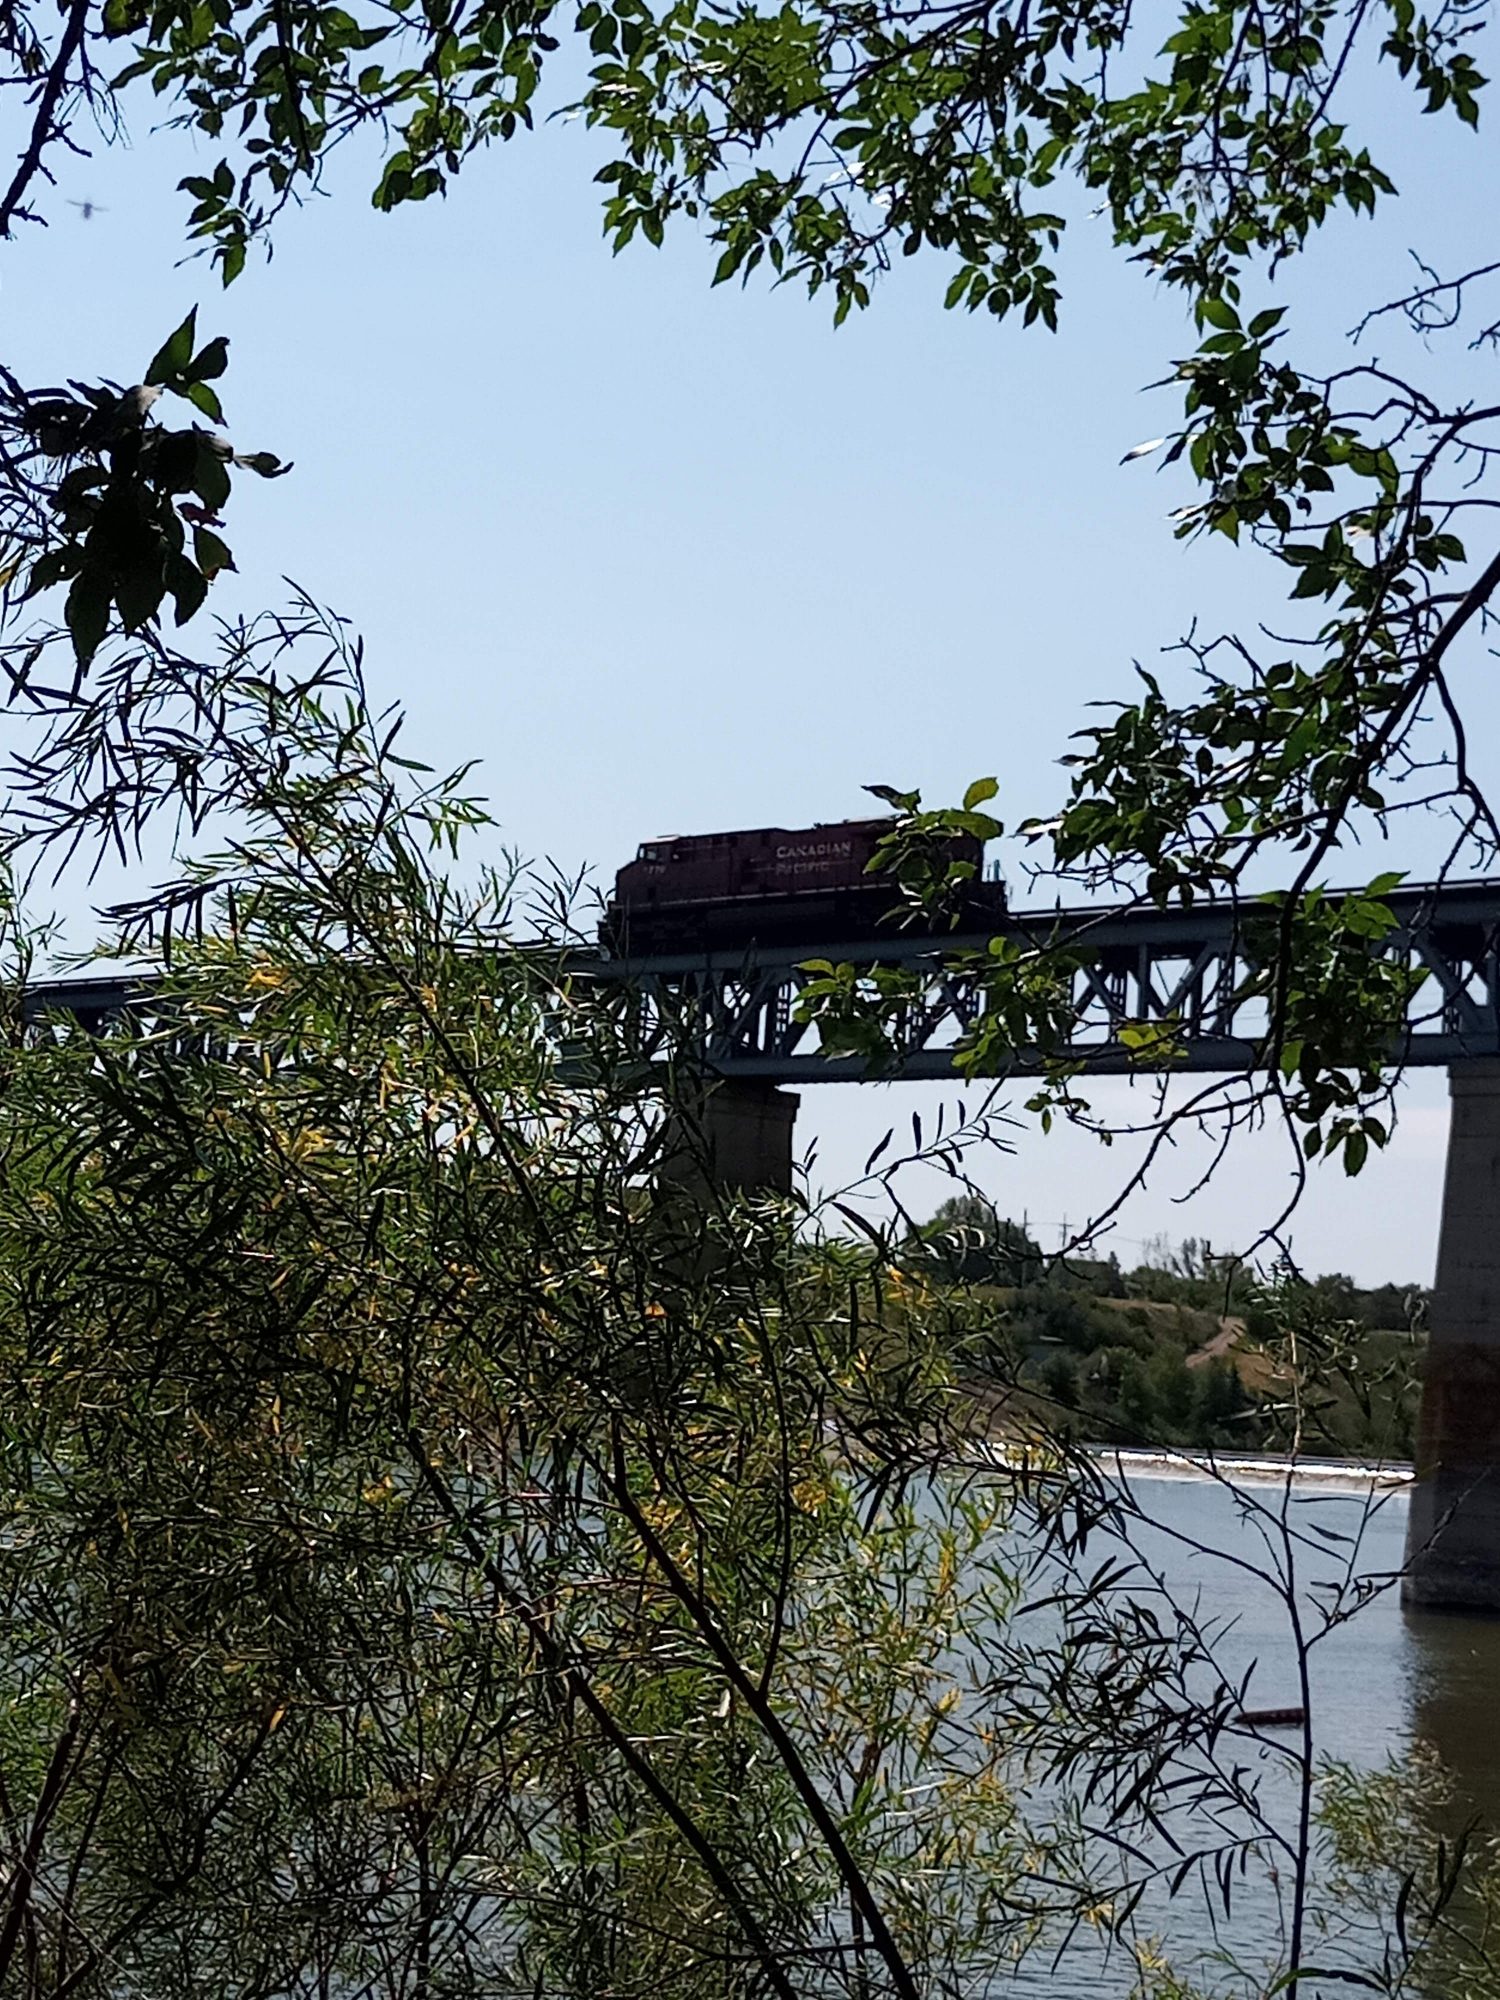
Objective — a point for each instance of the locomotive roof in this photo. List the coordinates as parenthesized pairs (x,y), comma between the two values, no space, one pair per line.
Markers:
(749,832)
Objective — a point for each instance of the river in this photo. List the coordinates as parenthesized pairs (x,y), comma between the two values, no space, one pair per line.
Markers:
(1383,1682)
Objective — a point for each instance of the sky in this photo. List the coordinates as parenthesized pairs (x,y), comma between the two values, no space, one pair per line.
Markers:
(673,559)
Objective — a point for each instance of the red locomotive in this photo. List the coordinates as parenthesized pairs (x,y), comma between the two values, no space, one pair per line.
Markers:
(771,885)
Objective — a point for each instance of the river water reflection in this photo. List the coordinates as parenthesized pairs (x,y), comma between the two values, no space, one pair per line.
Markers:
(1381,1683)
(1386,1679)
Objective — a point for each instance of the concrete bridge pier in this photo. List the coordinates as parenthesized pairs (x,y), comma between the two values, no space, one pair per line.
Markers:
(740,1138)
(1453,1534)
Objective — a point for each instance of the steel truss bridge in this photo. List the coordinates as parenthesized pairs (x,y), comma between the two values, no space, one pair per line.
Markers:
(1188,972)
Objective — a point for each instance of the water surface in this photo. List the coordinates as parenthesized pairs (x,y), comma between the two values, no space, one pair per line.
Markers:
(1383,1682)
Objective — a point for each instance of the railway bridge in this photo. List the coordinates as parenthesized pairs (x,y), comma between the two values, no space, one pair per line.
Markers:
(1189,973)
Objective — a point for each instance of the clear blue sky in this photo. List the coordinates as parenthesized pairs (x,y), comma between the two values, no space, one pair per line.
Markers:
(669,558)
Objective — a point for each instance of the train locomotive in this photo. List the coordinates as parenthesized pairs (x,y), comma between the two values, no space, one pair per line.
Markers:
(769,885)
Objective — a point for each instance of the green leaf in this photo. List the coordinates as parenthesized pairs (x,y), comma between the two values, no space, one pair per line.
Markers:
(138,594)
(173,355)
(395,182)
(51,568)
(86,613)
(188,586)
(979,791)
(203,398)
(211,553)
(979,824)
(211,478)
(210,362)
(177,455)
(1301,1973)
(956,289)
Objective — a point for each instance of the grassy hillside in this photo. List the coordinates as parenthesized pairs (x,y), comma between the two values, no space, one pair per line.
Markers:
(1184,1351)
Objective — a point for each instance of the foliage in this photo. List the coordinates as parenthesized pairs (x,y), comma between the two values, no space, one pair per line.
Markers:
(101,495)
(449,1549)
(438,1558)
(426,1572)
(966,1241)
(1189,1351)
(814,142)
(1334,977)
(943,128)
(1445,1884)
(1332,1378)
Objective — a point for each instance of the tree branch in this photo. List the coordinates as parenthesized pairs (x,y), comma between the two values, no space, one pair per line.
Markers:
(24,1877)
(43,125)
(581,1687)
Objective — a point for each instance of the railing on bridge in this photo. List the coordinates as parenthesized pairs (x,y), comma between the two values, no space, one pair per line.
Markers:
(1188,972)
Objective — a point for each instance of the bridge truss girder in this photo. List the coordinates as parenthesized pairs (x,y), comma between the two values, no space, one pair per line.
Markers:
(1190,973)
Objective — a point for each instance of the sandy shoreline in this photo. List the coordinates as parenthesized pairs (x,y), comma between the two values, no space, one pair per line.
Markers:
(1327,1474)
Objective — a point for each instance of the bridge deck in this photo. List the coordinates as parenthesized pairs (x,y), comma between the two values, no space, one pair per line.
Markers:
(1187,970)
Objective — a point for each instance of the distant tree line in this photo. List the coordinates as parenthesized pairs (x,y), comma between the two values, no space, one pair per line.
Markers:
(1184,1349)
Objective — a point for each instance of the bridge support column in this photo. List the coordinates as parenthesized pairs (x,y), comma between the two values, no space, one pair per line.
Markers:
(1453,1535)
(741,1138)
